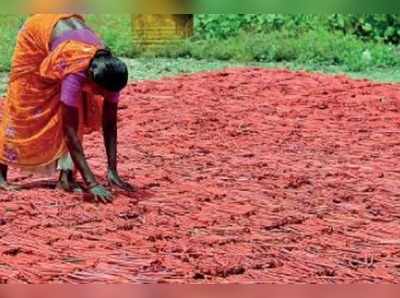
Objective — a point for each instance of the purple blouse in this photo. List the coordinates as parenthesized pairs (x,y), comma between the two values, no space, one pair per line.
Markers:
(71,86)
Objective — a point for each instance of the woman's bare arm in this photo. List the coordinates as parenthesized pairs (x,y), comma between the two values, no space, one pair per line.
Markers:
(70,118)
(110,133)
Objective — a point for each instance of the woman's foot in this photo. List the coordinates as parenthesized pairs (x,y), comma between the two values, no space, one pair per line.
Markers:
(68,183)
(4,185)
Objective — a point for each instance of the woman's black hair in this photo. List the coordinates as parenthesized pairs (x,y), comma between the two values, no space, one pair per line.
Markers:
(108,71)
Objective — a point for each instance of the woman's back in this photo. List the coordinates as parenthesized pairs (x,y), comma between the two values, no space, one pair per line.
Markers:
(70,24)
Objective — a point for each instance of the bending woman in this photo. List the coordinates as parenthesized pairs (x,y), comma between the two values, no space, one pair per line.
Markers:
(64,83)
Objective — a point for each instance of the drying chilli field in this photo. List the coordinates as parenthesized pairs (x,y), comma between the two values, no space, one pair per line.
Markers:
(244,175)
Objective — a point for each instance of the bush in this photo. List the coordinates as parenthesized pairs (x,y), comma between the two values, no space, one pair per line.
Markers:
(370,27)
(303,39)
(222,26)
(316,47)
(375,27)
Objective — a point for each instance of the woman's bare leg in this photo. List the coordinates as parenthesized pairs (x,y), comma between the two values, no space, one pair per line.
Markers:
(4,185)
(3,174)
(67,180)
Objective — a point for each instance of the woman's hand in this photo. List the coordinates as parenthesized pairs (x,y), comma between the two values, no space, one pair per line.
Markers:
(101,194)
(115,180)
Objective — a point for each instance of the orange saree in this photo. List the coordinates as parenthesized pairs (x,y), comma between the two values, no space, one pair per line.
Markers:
(31,130)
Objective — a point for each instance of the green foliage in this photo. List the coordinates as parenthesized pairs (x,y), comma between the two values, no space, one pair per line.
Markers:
(352,42)
(10,26)
(116,33)
(315,47)
(376,27)
(222,26)
(370,27)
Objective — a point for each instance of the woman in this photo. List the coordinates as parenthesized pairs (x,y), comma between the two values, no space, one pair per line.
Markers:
(64,83)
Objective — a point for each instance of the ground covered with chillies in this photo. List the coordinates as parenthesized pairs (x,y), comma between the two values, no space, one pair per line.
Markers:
(244,175)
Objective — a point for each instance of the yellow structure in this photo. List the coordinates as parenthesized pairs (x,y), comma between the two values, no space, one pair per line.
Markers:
(157,29)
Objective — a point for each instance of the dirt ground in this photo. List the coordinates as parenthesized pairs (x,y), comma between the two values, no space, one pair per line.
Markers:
(244,175)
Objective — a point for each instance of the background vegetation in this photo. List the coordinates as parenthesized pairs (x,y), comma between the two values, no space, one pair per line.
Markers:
(354,43)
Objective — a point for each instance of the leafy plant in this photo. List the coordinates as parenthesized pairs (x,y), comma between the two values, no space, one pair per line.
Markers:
(375,27)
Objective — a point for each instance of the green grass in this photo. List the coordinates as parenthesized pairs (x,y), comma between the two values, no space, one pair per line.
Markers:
(116,32)
(317,50)
(314,48)
(9,26)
